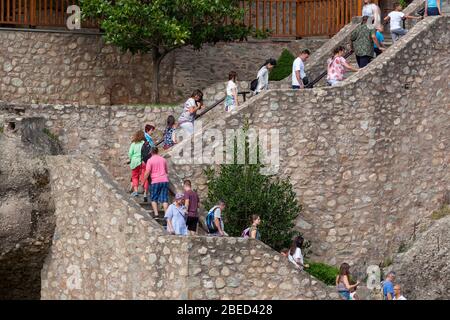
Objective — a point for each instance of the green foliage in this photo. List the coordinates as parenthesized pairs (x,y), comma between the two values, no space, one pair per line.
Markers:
(160,26)
(50,134)
(261,34)
(141,26)
(323,272)
(246,191)
(403,247)
(284,66)
(441,212)
(403,3)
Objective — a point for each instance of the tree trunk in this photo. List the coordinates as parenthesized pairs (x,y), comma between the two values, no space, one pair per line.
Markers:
(156,59)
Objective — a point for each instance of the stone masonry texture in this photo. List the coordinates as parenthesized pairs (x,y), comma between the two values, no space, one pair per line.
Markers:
(106,247)
(61,68)
(369,159)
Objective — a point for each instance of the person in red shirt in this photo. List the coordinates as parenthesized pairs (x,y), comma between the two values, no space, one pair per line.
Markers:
(191,201)
(156,168)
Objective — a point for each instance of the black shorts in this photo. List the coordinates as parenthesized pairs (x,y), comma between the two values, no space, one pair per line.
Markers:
(191,223)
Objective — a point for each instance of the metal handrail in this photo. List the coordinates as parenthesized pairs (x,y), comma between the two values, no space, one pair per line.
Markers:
(215,104)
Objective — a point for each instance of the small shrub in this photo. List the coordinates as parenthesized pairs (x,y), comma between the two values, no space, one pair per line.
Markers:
(323,272)
(247,191)
(284,66)
(441,213)
(50,134)
(261,34)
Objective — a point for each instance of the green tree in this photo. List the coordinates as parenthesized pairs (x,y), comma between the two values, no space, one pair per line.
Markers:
(160,26)
(246,191)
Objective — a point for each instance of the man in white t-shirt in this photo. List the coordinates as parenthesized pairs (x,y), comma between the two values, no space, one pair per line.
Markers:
(396,18)
(298,70)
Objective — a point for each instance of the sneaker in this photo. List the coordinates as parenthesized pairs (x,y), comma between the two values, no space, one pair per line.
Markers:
(134,194)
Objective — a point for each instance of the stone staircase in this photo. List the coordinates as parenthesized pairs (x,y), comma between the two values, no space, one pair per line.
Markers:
(147,206)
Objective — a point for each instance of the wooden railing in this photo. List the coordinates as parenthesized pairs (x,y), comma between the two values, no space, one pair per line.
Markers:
(284,18)
(46,13)
(300,18)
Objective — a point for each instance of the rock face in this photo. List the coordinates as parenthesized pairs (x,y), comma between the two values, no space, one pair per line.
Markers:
(424,270)
(26,208)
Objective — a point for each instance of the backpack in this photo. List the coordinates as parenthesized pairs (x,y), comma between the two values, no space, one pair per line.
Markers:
(246,233)
(253,85)
(210,221)
(146,152)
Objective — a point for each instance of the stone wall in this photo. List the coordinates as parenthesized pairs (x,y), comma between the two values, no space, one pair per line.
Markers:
(104,132)
(201,69)
(106,247)
(56,68)
(316,64)
(368,159)
(77,68)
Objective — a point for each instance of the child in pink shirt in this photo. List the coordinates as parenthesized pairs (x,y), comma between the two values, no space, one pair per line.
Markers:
(157,169)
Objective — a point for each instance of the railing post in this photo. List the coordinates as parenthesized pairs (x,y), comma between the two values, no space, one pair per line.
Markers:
(33,12)
(297,19)
(359,7)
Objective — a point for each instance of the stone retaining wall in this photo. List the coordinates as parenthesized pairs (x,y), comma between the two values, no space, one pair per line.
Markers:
(104,132)
(369,159)
(106,247)
(74,68)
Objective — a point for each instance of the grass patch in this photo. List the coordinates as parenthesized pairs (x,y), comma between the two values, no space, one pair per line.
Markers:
(323,272)
(1,129)
(50,134)
(441,213)
(284,66)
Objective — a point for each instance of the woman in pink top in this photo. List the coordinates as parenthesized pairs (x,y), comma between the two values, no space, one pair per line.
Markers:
(157,169)
(337,67)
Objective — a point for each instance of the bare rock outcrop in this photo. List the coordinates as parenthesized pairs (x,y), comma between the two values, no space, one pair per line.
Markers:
(26,208)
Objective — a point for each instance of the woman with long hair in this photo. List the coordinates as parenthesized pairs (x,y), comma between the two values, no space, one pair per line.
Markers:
(169,134)
(136,165)
(295,253)
(263,75)
(255,222)
(343,282)
(337,65)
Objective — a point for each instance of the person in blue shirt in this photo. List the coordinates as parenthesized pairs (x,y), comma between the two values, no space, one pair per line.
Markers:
(380,38)
(388,286)
(432,8)
(176,216)
(148,130)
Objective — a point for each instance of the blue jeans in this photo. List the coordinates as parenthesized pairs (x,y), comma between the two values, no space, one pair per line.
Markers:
(397,34)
